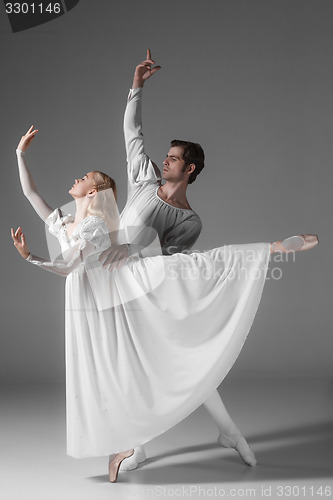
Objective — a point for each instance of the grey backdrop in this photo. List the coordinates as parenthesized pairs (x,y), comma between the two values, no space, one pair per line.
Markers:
(251,80)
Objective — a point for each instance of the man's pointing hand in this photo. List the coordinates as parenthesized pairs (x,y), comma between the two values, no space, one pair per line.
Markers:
(143,71)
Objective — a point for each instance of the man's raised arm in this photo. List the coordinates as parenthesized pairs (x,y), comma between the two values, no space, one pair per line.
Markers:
(139,165)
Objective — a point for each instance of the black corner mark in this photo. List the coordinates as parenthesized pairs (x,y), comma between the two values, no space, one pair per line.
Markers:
(70,4)
(24,15)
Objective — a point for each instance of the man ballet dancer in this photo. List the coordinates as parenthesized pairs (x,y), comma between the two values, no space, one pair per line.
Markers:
(165,208)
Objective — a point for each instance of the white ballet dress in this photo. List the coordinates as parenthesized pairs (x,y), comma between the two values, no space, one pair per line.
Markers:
(146,344)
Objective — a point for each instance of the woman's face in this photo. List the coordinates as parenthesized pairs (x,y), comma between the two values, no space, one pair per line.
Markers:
(83,187)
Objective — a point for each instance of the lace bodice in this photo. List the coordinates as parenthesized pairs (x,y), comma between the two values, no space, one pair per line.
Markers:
(92,229)
(90,237)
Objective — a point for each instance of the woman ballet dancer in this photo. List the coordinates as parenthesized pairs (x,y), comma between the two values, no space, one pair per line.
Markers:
(147,343)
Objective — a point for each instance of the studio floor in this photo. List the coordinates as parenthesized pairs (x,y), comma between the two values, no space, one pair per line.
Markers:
(288,423)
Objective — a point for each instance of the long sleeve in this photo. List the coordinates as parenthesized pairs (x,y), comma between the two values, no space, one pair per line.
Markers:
(75,257)
(144,242)
(182,237)
(139,166)
(30,189)
(179,238)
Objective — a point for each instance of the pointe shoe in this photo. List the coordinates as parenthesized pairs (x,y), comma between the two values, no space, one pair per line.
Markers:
(240,444)
(134,460)
(114,464)
(296,243)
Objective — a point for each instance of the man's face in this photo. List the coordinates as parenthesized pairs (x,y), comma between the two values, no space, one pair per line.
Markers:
(174,166)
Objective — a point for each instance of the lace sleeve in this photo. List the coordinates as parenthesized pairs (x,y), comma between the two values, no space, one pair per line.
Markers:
(91,238)
(55,221)
(95,230)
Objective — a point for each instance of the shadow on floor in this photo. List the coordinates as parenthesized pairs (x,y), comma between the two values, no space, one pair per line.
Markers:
(295,453)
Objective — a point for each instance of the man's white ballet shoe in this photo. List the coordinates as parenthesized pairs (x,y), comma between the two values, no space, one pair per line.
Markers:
(134,460)
(296,243)
(240,444)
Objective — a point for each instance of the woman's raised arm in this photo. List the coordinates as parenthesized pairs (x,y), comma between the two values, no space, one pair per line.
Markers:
(27,182)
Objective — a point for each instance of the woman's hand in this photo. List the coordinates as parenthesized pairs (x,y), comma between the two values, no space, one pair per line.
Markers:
(143,71)
(27,138)
(19,242)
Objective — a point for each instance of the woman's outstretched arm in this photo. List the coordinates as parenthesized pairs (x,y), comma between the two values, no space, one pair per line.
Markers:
(27,182)
(63,267)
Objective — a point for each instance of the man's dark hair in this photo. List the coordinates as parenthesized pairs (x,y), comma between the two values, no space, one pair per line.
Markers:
(192,153)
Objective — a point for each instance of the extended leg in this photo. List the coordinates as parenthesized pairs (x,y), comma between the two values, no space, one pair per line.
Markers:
(295,243)
(230,436)
(135,459)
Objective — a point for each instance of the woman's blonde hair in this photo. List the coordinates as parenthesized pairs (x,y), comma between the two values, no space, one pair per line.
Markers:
(104,204)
